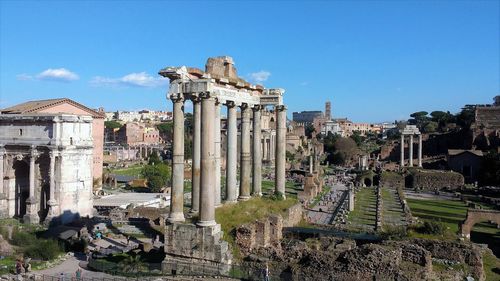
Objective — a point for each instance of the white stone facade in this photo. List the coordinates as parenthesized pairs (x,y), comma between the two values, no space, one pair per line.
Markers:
(46,167)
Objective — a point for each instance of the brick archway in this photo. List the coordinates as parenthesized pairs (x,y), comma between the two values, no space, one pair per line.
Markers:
(475,216)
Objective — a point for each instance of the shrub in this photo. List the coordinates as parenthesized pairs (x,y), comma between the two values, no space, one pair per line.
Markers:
(392,232)
(44,250)
(433,227)
(21,238)
(277,196)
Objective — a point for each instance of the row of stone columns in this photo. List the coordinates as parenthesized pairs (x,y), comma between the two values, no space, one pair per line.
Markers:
(206,164)
(410,146)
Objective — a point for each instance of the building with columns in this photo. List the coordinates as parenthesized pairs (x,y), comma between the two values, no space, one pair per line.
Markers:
(210,90)
(68,106)
(46,165)
(411,130)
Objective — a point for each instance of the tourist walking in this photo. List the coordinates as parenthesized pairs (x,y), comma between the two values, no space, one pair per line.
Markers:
(78,274)
(266,273)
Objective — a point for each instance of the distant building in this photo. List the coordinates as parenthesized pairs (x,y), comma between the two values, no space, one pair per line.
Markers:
(466,162)
(65,105)
(135,133)
(306,117)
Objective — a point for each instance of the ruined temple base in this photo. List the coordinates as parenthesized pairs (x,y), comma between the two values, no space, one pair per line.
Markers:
(195,250)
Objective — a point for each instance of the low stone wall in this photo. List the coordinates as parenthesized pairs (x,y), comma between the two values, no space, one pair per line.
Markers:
(392,180)
(435,180)
(379,210)
(262,233)
(267,232)
(293,216)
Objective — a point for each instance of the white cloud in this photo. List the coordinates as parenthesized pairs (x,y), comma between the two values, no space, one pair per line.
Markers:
(57,74)
(141,79)
(24,77)
(259,77)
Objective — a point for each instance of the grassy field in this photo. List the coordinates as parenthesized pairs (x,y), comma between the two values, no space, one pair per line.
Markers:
(452,213)
(291,189)
(130,171)
(364,208)
(231,216)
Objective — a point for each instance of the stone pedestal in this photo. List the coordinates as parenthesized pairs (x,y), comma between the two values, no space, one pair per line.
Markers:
(51,216)
(31,215)
(195,250)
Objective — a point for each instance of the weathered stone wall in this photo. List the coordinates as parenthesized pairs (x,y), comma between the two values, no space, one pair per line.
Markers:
(293,216)
(266,232)
(392,180)
(435,180)
(475,216)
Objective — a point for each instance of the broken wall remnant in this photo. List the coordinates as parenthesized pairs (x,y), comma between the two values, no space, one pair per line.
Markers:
(435,180)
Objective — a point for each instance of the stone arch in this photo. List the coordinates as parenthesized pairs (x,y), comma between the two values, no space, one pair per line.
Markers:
(475,216)
(22,174)
(368,181)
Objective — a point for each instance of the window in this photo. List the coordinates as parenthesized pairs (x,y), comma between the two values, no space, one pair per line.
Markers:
(20,132)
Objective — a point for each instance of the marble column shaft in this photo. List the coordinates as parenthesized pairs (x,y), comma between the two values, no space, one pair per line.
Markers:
(177,193)
(257,152)
(231,154)
(207,184)
(195,181)
(411,150)
(2,153)
(217,136)
(280,152)
(420,150)
(265,157)
(31,215)
(245,157)
(402,157)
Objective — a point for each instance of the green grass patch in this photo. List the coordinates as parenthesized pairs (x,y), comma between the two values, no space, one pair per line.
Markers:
(134,171)
(451,213)
(230,216)
(491,265)
(364,208)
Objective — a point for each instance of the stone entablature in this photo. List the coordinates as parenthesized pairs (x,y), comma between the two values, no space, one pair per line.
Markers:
(45,166)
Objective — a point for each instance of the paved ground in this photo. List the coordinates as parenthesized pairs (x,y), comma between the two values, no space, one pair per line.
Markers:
(69,267)
(323,212)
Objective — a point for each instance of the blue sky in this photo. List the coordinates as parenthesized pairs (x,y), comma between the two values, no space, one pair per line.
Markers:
(374,60)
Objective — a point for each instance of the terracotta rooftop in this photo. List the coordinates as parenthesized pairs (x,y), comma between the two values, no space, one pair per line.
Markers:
(38,105)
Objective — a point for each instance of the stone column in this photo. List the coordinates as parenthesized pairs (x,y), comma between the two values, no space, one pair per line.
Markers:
(245,159)
(140,152)
(207,183)
(310,164)
(420,150)
(195,176)
(280,176)
(177,193)
(402,157)
(265,149)
(257,152)
(31,215)
(411,150)
(231,153)
(2,153)
(52,203)
(217,141)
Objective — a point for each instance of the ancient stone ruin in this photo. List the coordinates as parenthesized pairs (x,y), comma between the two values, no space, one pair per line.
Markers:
(186,244)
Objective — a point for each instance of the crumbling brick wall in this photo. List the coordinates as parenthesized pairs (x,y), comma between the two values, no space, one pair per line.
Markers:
(435,180)
(293,216)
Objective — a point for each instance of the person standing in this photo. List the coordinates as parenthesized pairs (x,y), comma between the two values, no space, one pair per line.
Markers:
(78,274)
(266,273)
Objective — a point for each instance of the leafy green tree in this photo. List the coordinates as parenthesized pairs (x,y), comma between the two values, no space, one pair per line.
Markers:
(430,127)
(132,264)
(490,169)
(356,136)
(157,175)
(466,117)
(154,159)
(419,118)
(309,130)
(112,124)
